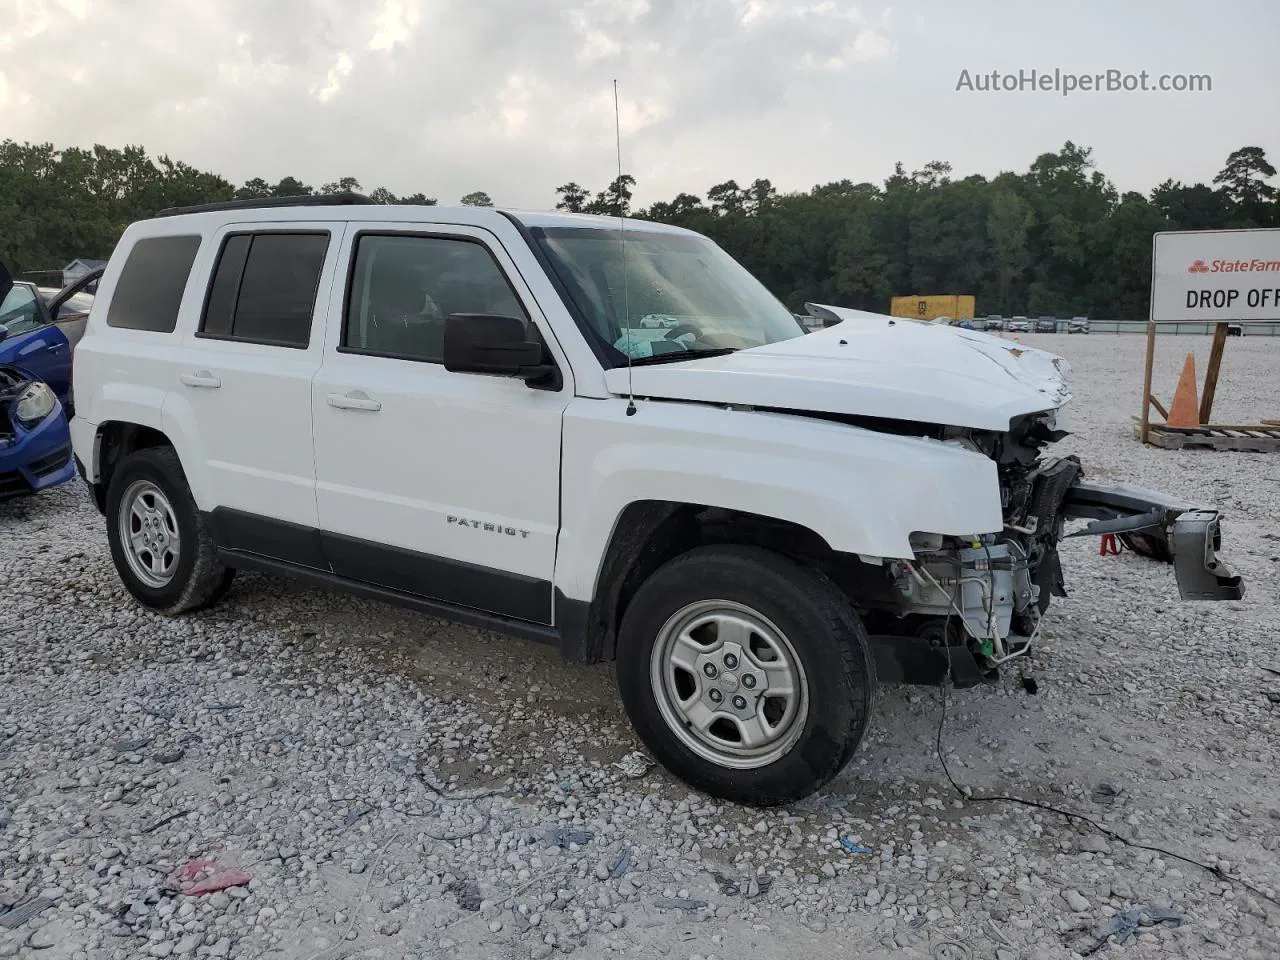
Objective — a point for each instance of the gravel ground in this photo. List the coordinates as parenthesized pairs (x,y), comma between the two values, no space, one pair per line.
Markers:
(399,787)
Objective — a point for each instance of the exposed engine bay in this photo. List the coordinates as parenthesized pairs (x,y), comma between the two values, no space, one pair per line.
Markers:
(12,385)
(986,596)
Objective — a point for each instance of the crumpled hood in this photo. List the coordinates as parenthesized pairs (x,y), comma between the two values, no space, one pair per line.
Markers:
(871,365)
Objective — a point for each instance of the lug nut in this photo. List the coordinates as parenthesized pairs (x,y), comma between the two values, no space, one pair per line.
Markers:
(710,670)
(739,702)
(749,681)
(730,661)
(716,696)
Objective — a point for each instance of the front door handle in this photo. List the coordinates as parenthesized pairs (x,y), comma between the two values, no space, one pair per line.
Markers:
(355,400)
(202,379)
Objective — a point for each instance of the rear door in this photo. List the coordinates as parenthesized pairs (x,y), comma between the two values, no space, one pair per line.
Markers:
(243,379)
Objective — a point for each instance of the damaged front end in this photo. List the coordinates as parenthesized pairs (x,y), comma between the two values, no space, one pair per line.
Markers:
(1162,528)
(964,606)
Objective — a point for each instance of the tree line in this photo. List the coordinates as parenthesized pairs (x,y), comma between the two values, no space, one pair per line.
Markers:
(1058,239)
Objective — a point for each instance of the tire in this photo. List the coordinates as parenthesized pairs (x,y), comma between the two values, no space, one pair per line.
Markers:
(1148,545)
(171,581)
(781,614)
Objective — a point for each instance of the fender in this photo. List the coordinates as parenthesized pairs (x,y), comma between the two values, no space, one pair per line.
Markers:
(115,401)
(863,492)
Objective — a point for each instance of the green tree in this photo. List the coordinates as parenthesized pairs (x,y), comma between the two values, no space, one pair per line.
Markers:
(1196,207)
(1121,256)
(1244,176)
(477,199)
(573,197)
(948,241)
(255,189)
(1244,181)
(291,187)
(342,185)
(615,201)
(727,197)
(1008,219)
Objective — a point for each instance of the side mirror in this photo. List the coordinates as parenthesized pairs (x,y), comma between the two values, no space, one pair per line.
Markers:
(4,331)
(499,346)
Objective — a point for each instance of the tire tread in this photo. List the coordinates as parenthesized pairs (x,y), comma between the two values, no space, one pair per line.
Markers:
(784,581)
(209,579)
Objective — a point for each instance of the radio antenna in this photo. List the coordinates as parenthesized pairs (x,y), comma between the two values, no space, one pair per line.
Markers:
(622,235)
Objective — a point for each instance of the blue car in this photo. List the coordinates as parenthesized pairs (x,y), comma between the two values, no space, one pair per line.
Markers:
(35,442)
(31,341)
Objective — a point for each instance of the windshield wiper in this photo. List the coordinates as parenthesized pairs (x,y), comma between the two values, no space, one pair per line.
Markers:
(684,355)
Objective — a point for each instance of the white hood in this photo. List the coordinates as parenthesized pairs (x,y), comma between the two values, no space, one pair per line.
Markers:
(875,366)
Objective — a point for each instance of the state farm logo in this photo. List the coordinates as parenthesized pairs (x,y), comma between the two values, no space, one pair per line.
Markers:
(1254,265)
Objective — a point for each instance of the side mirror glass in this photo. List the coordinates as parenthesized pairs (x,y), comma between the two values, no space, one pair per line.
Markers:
(496,345)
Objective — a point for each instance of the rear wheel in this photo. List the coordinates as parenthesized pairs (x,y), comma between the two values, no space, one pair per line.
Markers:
(747,675)
(161,549)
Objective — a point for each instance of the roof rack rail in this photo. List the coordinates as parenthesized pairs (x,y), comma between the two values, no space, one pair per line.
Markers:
(307,200)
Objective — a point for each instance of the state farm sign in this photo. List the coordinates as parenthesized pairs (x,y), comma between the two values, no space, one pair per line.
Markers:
(1216,275)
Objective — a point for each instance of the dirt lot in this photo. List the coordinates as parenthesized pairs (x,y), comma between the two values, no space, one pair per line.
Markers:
(399,787)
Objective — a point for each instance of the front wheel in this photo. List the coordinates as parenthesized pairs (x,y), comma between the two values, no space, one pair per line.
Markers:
(747,675)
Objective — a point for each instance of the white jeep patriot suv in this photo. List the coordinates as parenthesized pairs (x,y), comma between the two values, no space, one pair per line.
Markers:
(600,434)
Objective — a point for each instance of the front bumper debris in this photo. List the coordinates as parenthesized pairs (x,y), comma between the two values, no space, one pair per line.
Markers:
(1172,530)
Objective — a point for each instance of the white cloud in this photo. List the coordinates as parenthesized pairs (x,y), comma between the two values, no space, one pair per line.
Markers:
(333,79)
(394,24)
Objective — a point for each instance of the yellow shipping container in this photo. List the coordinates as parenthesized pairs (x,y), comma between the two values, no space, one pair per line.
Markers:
(954,306)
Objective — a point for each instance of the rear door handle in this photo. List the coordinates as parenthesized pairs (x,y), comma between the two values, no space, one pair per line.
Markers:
(202,379)
(355,400)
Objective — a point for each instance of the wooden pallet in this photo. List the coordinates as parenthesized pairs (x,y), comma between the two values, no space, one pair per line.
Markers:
(1249,437)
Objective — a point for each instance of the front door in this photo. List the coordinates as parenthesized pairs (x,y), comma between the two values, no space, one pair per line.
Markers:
(443,485)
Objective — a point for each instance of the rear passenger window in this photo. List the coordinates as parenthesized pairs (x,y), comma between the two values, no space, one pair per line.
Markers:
(149,290)
(404,287)
(264,288)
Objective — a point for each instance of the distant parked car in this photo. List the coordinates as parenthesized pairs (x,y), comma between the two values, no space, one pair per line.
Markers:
(1078,325)
(994,322)
(966,324)
(1019,325)
(1046,325)
(1235,330)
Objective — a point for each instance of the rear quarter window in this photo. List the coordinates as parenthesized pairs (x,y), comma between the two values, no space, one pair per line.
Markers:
(149,290)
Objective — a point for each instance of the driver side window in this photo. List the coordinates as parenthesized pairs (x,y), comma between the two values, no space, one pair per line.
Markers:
(403,287)
(20,312)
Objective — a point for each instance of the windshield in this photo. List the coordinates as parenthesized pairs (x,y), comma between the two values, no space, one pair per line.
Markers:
(681,294)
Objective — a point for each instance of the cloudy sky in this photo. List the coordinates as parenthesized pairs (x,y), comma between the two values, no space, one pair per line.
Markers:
(515,96)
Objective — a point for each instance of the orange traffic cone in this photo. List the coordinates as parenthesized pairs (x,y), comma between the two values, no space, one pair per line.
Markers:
(1185,409)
